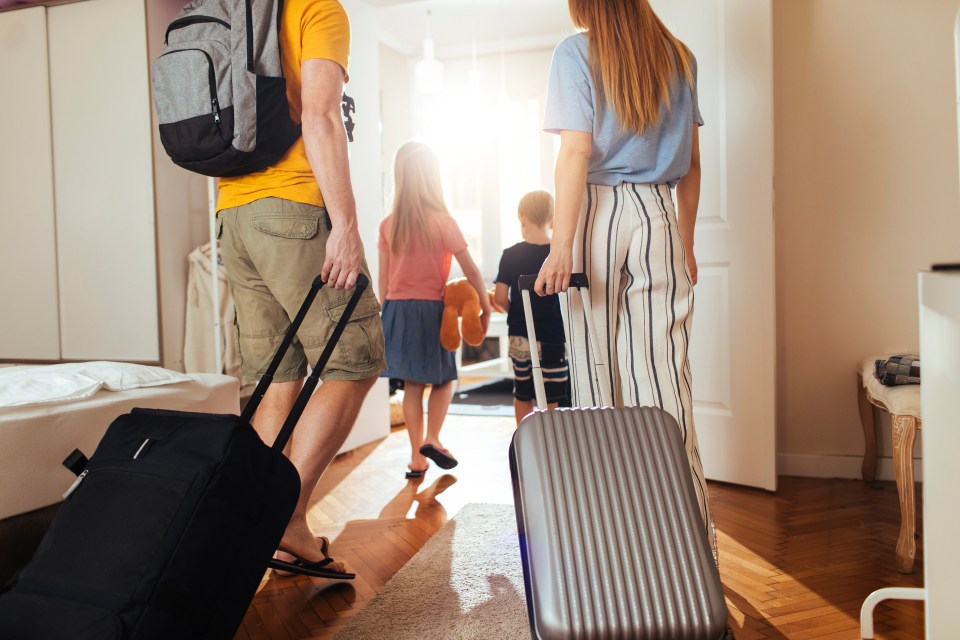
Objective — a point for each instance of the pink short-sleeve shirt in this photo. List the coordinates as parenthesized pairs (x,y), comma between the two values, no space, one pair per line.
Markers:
(421,274)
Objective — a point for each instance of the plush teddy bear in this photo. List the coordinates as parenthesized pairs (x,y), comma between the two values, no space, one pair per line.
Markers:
(460,299)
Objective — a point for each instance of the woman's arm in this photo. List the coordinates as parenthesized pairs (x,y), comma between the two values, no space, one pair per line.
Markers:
(688,200)
(472,272)
(570,177)
(383,274)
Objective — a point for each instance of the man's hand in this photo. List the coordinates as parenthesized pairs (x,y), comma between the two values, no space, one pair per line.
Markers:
(344,257)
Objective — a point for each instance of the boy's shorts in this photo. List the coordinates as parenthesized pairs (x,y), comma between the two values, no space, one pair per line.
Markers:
(553,365)
(272,250)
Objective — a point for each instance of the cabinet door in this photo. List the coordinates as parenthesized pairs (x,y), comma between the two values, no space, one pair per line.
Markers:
(100,105)
(28,263)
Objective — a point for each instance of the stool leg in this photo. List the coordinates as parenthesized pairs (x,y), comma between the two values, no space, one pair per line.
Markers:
(869,467)
(904,432)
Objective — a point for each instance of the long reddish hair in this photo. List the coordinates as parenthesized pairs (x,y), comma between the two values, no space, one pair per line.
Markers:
(634,58)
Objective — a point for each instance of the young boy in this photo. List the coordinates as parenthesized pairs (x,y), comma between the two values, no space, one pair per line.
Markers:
(536,220)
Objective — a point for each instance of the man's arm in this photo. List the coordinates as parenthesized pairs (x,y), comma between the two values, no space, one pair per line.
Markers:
(326,143)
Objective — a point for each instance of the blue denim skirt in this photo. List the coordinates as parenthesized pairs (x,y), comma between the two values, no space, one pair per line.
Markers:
(411,331)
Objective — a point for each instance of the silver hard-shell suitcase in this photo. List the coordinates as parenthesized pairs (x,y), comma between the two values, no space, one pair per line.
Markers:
(611,538)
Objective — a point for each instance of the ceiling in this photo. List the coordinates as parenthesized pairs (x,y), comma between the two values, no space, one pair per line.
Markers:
(460,26)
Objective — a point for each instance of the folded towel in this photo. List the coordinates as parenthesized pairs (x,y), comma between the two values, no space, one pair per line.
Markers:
(900,369)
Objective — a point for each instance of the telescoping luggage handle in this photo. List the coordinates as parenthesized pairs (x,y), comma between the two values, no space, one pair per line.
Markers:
(311,382)
(579,282)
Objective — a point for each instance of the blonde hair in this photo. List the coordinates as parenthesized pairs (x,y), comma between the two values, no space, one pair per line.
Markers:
(633,56)
(417,192)
(536,208)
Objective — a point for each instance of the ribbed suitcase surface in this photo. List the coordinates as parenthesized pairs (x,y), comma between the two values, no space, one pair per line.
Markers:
(611,538)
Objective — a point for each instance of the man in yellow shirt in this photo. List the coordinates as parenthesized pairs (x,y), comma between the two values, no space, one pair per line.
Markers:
(278,228)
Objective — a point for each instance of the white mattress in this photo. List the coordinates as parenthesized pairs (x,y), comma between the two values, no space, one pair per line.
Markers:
(34,439)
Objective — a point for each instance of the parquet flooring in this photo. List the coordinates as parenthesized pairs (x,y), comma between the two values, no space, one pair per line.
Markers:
(795,564)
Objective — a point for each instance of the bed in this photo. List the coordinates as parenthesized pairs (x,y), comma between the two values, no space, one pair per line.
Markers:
(48,411)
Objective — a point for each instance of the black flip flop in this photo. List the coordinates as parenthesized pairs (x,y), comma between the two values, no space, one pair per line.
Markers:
(412,474)
(317,569)
(441,456)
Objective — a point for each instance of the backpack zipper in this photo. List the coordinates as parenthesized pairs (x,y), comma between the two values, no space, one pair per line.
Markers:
(249,8)
(189,20)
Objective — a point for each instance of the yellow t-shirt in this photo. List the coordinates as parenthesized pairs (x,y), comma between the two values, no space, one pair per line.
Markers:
(309,29)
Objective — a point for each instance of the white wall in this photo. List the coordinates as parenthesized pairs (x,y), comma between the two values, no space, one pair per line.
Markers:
(365,156)
(866,196)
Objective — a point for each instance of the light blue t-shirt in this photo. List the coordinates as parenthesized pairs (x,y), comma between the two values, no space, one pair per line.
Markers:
(660,155)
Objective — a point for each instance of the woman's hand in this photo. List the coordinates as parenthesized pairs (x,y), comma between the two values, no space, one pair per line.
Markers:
(555,273)
(692,265)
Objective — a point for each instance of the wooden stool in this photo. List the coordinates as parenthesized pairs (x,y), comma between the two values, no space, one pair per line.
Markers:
(902,402)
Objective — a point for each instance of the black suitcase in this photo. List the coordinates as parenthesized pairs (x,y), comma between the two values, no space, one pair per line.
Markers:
(169,527)
(611,538)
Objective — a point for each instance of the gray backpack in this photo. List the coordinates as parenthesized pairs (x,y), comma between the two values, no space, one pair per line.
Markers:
(219,90)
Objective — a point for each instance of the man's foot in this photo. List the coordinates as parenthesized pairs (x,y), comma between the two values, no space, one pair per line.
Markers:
(326,567)
(299,543)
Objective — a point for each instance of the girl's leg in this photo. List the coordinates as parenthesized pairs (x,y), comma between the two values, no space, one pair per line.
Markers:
(413,417)
(437,405)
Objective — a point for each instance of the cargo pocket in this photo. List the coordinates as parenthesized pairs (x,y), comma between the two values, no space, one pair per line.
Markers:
(295,226)
(361,343)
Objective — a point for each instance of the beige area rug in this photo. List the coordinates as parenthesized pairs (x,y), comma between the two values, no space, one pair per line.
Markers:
(466,583)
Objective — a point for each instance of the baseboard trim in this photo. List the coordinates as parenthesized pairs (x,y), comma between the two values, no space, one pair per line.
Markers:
(827,466)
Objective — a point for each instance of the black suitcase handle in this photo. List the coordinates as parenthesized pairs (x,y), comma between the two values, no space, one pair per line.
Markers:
(311,382)
(577,280)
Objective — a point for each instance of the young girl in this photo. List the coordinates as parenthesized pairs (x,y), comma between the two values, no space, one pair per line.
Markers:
(417,242)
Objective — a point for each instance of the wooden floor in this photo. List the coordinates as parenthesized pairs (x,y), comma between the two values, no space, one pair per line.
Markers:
(797,564)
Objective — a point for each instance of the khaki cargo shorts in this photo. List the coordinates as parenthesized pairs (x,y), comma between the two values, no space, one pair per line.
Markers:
(272,250)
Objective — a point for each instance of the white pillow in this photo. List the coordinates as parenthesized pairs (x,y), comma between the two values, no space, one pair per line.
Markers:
(76,381)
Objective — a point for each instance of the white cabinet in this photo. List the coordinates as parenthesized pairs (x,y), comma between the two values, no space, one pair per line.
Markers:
(95,221)
(103,168)
(939,357)
(29,328)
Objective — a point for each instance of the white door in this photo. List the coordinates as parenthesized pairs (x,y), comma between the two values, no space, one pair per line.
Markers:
(733,342)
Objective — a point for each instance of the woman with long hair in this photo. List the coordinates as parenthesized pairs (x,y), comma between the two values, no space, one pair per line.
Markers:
(418,240)
(622,96)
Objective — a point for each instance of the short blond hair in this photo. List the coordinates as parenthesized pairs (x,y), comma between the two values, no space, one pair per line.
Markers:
(536,208)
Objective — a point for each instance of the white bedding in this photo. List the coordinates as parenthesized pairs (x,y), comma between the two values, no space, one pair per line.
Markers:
(35,438)
(48,384)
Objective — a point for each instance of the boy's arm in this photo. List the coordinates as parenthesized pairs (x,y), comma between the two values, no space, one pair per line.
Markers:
(501,295)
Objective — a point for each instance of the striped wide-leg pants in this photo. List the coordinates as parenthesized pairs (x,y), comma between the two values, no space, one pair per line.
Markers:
(628,243)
